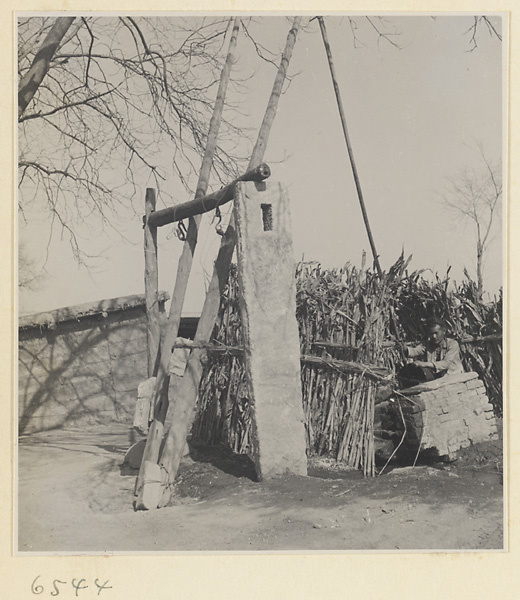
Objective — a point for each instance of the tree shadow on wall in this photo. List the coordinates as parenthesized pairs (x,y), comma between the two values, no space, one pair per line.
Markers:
(59,383)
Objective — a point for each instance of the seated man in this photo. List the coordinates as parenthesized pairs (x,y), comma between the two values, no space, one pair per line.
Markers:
(438,354)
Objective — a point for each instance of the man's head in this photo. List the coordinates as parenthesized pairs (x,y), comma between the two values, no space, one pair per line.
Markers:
(436,332)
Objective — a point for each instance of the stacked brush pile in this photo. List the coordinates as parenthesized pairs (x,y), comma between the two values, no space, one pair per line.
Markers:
(349,322)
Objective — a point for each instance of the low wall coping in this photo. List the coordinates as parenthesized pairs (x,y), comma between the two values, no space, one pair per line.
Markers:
(439,383)
(74,313)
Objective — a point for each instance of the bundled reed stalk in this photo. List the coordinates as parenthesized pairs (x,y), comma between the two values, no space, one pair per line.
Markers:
(344,306)
(224,414)
(346,314)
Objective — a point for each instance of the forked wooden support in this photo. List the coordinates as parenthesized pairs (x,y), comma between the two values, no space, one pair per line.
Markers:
(183,407)
(160,396)
(184,404)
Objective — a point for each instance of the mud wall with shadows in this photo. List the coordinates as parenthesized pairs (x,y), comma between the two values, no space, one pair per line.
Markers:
(82,371)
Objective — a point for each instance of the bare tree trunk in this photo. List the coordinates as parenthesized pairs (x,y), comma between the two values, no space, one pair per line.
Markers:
(183,412)
(480,278)
(31,81)
(160,398)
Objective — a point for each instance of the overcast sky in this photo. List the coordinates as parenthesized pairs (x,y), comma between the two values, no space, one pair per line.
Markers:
(415,114)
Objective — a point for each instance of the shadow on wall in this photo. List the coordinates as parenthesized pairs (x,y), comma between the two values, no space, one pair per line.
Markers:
(83,371)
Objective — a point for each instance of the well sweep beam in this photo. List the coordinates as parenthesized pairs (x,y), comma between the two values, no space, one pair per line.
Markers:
(207,203)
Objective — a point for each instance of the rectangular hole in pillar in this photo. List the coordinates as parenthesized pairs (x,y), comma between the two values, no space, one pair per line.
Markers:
(267,216)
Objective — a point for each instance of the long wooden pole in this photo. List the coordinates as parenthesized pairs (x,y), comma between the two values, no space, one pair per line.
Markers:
(349,146)
(182,416)
(151,283)
(160,397)
(204,204)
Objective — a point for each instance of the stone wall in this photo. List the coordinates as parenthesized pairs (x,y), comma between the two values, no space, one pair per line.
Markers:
(448,414)
(81,365)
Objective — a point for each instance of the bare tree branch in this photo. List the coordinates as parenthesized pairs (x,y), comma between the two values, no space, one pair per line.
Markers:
(473,30)
(475,195)
(64,107)
(119,95)
(384,35)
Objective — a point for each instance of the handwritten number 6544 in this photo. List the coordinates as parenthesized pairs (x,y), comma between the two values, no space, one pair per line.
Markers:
(37,588)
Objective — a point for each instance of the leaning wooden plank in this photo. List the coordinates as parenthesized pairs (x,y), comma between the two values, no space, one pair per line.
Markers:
(204,204)
(185,403)
(154,479)
(181,282)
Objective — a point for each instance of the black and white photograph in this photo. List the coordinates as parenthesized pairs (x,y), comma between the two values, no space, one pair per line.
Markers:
(260,274)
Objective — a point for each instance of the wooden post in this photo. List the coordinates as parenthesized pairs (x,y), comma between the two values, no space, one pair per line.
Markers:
(183,409)
(153,442)
(349,146)
(151,283)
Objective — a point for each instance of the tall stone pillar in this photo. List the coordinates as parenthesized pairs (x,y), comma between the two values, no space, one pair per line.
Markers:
(268,309)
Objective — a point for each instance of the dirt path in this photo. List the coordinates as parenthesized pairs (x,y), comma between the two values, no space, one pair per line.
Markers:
(75,496)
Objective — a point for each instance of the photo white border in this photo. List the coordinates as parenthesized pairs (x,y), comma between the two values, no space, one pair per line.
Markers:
(250,576)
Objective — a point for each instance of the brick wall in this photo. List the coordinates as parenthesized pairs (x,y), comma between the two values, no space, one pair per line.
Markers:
(448,414)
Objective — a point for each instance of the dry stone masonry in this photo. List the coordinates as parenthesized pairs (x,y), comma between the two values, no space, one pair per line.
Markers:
(447,414)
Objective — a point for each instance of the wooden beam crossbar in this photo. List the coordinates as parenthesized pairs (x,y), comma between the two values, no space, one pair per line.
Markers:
(345,366)
(207,203)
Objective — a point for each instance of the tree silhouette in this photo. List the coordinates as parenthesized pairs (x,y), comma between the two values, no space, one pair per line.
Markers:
(107,103)
(103,100)
(475,195)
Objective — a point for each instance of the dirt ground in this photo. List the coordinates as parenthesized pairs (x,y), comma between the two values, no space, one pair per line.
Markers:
(75,495)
